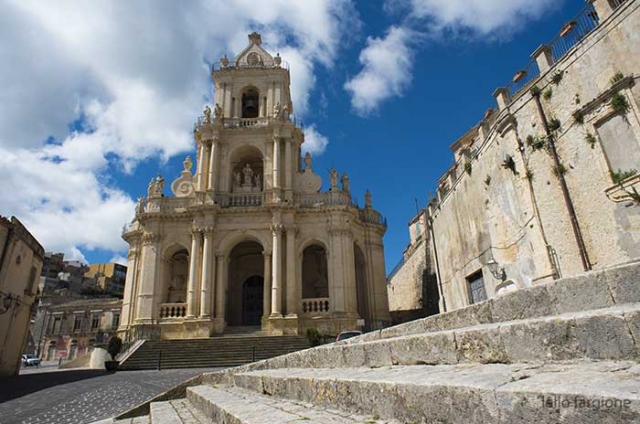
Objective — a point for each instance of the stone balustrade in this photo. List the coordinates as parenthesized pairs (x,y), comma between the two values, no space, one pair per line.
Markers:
(230,200)
(318,306)
(173,310)
(245,122)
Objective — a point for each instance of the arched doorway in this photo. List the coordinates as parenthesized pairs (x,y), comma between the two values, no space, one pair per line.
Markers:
(252,300)
(175,282)
(245,289)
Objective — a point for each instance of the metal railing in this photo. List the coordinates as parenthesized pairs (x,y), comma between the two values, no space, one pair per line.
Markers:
(570,34)
(372,216)
(616,3)
(396,268)
(318,306)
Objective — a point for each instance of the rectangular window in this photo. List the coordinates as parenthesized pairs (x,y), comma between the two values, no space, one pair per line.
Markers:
(77,323)
(115,322)
(95,322)
(620,144)
(57,322)
(477,292)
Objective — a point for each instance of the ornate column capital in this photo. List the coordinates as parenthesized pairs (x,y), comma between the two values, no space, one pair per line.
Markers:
(150,238)
(132,254)
(292,229)
(266,253)
(277,228)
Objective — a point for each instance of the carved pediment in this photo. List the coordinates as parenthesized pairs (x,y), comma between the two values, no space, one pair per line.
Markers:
(254,55)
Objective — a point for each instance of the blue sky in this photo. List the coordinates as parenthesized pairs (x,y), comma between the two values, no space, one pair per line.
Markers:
(100,96)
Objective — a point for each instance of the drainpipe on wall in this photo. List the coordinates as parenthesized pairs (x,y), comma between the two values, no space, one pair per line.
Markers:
(563,185)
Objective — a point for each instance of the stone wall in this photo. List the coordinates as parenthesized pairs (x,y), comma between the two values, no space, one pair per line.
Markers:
(506,207)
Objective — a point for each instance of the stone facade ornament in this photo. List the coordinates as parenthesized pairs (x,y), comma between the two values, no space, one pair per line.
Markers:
(307,163)
(248,175)
(187,164)
(345,182)
(217,111)
(367,199)
(277,110)
(207,114)
(183,185)
(333,175)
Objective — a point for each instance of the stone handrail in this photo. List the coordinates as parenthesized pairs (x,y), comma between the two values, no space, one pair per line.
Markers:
(245,122)
(173,310)
(231,200)
(318,306)
(372,216)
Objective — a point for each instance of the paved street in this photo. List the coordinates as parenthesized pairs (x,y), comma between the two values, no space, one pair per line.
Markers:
(46,395)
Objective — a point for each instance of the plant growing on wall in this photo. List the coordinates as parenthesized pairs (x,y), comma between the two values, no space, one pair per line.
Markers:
(535,91)
(619,76)
(621,175)
(591,139)
(467,167)
(559,170)
(537,142)
(578,117)
(576,99)
(529,175)
(554,124)
(547,94)
(557,77)
(487,180)
(619,103)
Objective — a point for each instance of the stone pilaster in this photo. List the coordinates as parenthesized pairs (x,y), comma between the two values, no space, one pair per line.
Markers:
(288,171)
(192,285)
(336,273)
(221,286)
(213,166)
(276,271)
(199,170)
(207,271)
(276,166)
(129,288)
(603,8)
(502,97)
(292,284)
(266,305)
(149,266)
(543,57)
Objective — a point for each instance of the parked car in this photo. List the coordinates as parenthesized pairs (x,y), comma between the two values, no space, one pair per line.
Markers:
(28,360)
(348,334)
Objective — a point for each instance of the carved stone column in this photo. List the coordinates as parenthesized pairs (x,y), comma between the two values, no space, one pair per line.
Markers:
(276,164)
(199,170)
(221,282)
(276,275)
(266,304)
(192,285)
(292,286)
(336,270)
(207,265)
(288,171)
(213,166)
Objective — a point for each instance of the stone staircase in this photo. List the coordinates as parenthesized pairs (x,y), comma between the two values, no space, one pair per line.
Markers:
(564,352)
(228,351)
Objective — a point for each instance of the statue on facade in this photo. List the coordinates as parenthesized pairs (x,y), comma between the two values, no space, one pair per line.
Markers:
(207,114)
(159,188)
(248,174)
(139,205)
(187,164)
(367,199)
(345,182)
(307,162)
(277,110)
(151,190)
(333,175)
(285,110)
(217,111)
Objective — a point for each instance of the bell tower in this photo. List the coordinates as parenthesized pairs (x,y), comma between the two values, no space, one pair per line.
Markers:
(250,144)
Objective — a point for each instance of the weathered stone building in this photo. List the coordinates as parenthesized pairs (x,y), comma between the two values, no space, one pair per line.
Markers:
(546,184)
(21,259)
(249,238)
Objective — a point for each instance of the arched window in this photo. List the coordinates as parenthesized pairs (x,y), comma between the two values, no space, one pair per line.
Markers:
(250,103)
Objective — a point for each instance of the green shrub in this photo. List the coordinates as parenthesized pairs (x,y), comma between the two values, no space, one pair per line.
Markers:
(114,347)
(314,337)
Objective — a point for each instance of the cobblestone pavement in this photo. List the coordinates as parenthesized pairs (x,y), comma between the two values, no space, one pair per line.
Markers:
(81,396)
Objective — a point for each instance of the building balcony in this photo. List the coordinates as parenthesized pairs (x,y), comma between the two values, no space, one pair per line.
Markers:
(172,311)
(317,307)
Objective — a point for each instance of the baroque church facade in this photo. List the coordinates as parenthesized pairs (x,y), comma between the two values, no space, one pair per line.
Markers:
(248,237)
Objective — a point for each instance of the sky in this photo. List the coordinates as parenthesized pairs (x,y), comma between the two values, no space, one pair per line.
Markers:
(99,96)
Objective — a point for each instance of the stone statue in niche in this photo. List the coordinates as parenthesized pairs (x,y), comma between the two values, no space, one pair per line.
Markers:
(277,110)
(333,175)
(345,182)
(285,110)
(367,199)
(248,175)
(217,111)
(207,114)
(151,190)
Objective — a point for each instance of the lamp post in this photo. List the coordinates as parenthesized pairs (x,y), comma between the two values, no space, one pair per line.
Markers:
(496,270)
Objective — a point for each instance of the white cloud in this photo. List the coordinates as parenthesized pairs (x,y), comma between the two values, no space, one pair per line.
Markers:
(314,142)
(387,65)
(119,259)
(135,75)
(481,17)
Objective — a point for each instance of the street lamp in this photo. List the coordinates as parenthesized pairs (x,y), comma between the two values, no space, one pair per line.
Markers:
(7,301)
(496,270)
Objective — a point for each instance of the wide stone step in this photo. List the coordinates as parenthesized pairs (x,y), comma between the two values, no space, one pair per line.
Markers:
(178,411)
(607,333)
(235,405)
(605,288)
(596,392)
